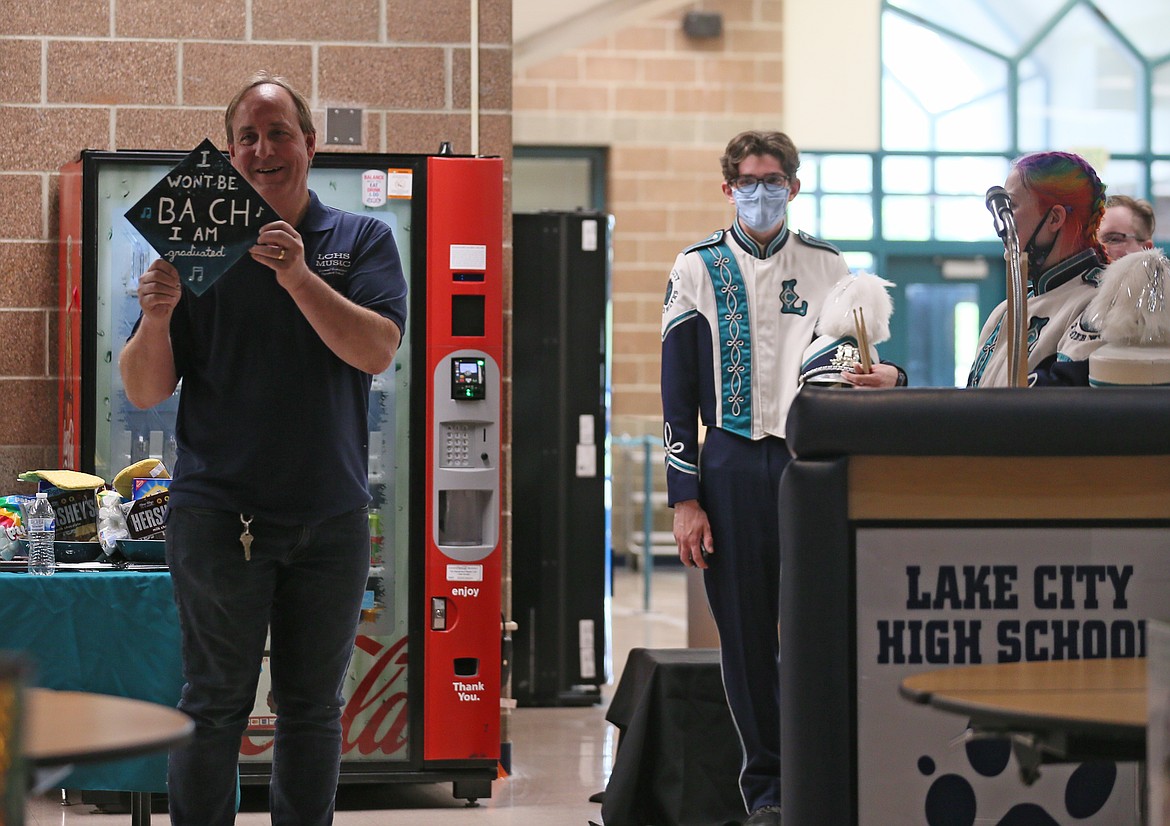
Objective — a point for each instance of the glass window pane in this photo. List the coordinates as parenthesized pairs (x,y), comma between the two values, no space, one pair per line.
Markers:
(958,218)
(939,324)
(969,176)
(905,125)
(1161,112)
(962,86)
(1124,178)
(809,167)
(969,14)
(858,261)
(551,183)
(904,174)
(906,218)
(981,126)
(1160,172)
(846,217)
(1145,24)
(957,73)
(846,173)
(802,213)
(966,338)
(1032,93)
(1094,97)
(1026,19)
(1001,23)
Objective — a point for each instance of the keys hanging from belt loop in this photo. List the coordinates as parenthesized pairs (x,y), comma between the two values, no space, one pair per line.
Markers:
(246,537)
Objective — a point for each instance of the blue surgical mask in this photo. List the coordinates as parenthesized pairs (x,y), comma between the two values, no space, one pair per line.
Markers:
(763,209)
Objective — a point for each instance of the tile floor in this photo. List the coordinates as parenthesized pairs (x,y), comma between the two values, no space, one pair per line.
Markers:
(561,756)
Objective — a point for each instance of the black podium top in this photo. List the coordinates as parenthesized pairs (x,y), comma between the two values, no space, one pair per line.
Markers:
(1049,421)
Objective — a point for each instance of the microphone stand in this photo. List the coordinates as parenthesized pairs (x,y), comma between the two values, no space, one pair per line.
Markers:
(1017,296)
(1017,309)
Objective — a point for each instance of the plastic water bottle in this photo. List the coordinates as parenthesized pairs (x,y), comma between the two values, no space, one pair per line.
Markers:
(41,526)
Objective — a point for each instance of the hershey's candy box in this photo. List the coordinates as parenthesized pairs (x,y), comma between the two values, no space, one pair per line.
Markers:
(146,517)
(76,513)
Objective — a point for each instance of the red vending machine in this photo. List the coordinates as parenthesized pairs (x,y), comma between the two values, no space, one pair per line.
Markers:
(423,691)
(462,544)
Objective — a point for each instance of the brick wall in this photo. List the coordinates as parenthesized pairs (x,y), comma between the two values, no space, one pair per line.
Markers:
(666,106)
(145,74)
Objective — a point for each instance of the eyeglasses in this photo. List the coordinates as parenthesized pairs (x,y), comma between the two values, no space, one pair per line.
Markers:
(1113,239)
(747,183)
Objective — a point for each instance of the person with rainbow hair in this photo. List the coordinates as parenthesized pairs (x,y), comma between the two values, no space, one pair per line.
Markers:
(1057,201)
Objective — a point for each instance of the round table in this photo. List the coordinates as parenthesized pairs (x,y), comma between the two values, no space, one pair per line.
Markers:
(63,728)
(1059,711)
(79,727)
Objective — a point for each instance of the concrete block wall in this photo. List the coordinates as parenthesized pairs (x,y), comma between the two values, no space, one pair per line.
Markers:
(665,105)
(146,74)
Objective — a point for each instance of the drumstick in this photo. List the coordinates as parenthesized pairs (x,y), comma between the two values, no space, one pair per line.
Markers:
(862,340)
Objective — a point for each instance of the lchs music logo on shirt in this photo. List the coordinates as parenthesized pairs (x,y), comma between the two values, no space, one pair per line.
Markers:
(931,598)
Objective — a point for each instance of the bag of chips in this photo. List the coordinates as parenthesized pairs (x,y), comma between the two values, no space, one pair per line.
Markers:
(11,524)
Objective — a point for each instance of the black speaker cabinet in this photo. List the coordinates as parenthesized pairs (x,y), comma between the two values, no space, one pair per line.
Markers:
(560,426)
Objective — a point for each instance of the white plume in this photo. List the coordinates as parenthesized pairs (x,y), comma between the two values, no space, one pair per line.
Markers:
(1130,306)
(864,291)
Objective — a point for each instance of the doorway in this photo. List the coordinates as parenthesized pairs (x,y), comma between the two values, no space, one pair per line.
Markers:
(940,303)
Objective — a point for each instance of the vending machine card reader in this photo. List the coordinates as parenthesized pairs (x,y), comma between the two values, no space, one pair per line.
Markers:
(467,378)
(467,466)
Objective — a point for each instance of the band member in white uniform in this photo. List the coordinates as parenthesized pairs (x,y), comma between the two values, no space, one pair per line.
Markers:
(741,308)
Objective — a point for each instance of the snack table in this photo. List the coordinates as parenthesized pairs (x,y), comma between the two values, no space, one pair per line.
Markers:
(99,631)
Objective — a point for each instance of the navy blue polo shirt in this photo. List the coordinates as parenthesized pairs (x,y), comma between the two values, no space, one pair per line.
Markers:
(270,421)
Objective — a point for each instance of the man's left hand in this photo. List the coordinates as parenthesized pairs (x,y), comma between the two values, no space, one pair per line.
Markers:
(280,247)
(883,375)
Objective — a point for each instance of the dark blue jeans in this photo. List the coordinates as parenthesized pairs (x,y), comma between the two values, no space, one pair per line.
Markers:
(306,584)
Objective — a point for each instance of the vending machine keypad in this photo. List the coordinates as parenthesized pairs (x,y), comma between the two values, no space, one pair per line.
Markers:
(456,444)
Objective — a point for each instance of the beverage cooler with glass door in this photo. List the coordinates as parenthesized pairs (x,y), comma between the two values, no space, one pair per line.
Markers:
(423,690)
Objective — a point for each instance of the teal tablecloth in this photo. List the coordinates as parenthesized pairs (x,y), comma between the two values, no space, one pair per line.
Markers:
(109,632)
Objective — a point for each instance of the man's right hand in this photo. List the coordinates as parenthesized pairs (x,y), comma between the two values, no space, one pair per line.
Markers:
(692,532)
(159,289)
(147,362)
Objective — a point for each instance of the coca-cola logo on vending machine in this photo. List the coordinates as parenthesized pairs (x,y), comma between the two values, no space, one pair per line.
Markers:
(374,719)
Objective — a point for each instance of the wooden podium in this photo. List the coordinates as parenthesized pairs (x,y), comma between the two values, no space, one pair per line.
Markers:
(928,528)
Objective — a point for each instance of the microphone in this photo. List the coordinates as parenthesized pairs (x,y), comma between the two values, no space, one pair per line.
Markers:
(998,203)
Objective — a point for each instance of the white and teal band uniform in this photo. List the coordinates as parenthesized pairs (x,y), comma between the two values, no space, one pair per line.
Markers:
(736,322)
(1059,342)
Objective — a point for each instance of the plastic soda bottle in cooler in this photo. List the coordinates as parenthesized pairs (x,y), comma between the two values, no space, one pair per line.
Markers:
(41,527)
(375,538)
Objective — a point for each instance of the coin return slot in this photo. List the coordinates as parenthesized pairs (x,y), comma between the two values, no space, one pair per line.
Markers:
(438,614)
